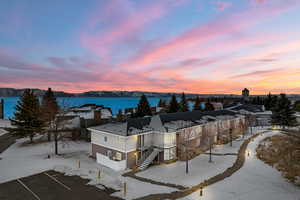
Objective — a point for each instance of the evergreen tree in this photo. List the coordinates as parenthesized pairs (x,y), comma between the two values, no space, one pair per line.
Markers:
(282,113)
(297,106)
(184,107)
(197,104)
(268,102)
(49,109)
(143,108)
(27,118)
(173,106)
(209,106)
(120,115)
(161,103)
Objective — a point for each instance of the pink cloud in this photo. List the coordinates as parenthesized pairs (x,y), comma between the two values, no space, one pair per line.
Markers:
(258,73)
(123,27)
(230,25)
(259,1)
(222,5)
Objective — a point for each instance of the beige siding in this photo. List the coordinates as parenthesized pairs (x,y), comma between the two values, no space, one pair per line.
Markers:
(114,142)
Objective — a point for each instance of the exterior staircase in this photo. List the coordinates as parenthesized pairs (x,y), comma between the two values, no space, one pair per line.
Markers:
(149,159)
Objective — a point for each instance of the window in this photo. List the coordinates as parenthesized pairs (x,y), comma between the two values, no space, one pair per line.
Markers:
(105,138)
(118,156)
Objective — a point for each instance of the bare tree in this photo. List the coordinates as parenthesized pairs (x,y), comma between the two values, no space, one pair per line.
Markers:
(186,134)
(58,125)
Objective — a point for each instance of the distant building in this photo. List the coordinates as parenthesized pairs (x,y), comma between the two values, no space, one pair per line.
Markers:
(217,105)
(261,116)
(2,109)
(245,94)
(127,112)
(91,112)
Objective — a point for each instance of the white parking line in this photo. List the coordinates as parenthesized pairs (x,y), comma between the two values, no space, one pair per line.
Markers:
(27,188)
(57,181)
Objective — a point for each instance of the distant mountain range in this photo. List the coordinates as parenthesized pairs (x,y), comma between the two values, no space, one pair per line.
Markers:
(12,92)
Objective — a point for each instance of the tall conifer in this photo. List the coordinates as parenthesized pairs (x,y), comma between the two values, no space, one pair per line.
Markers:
(27,118)
(184,107)
(143,108)
(173,106)
(49,109)
(197,104)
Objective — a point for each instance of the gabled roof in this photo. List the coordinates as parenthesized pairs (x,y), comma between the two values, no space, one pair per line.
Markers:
(167,121)
(192,116)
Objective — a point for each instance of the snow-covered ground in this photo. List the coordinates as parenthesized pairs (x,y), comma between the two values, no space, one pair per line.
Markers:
(199,167)
(2,131)
(137,189)
(255,180)
(21,161)
(4,123)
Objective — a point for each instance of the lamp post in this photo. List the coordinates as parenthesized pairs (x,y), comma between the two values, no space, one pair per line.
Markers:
(210,160)
(230,134)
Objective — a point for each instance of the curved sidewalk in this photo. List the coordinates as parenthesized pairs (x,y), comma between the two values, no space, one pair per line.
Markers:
(219,177)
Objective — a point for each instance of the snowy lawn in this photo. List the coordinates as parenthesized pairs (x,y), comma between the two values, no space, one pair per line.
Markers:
(255,180)
(21,161)
(199,167)
(2,132)
(137,189)
(4,123)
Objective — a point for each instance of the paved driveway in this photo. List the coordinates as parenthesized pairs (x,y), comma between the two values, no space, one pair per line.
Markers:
(52,185)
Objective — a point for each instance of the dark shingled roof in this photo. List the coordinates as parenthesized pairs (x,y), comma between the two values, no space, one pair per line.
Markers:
(138,123)
(250,107)
(231,104)
(143,124)
(192,115)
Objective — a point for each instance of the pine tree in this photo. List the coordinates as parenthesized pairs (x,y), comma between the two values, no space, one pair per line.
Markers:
(282,113)
(173,106)
(268,102)
(27,118)
(143,108)
(197,104)
(49,109)
(161,103)
(209,106)
(184,107)
(297,106)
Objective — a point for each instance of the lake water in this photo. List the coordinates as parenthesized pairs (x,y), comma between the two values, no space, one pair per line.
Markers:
(115,103)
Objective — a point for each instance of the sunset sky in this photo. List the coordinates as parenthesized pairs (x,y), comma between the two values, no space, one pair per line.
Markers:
(196,46)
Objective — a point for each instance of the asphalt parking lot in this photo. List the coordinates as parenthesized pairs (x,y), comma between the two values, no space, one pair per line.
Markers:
(51,185)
